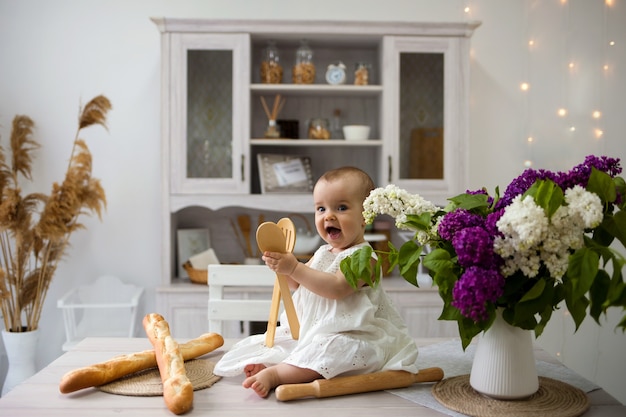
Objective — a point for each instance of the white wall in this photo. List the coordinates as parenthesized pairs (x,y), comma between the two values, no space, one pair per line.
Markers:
(56,54)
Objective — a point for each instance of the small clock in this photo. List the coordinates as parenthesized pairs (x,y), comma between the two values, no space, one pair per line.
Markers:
(336,73)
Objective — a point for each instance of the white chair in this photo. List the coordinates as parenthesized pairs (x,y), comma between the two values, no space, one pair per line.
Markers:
(105,307)
(240,293)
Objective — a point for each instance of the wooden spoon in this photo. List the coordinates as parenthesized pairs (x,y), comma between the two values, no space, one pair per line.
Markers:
(245,227)
(271,238)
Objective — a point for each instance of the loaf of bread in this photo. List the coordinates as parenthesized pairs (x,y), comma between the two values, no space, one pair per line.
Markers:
(122,365)
(177,389)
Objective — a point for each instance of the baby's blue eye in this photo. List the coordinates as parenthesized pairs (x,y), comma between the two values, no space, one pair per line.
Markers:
(342,208)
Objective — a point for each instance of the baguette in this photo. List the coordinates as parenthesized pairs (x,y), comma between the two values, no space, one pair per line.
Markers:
(177,389)
(122,365)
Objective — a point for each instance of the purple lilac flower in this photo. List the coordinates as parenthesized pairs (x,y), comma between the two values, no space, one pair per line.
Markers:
(522,183)
(491,221)
(474,247)
(579,175)
(474,289)
(457,220)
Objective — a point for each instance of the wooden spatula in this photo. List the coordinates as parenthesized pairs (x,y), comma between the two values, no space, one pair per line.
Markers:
(289,231)
(271,238)
(343,385)
(244,225)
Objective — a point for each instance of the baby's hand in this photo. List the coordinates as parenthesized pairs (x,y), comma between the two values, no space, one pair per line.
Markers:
(282,263)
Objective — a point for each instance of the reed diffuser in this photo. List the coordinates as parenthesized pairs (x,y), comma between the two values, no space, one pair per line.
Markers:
(272,128)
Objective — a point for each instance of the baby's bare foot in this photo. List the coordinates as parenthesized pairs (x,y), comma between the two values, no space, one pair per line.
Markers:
(253,369)
(262,382)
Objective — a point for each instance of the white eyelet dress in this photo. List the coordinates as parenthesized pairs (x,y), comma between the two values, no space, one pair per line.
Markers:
(359,334)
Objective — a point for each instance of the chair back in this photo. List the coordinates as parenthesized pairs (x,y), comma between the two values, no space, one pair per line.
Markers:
(105,307)
(239,293)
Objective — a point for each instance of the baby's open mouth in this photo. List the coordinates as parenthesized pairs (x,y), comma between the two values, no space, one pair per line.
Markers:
(333,232)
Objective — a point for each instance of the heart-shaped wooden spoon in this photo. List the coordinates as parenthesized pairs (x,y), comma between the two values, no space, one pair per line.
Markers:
(270,238)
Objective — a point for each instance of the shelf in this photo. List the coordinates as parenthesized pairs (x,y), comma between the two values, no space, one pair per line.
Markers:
(297,202)
(316,142)
(318,89)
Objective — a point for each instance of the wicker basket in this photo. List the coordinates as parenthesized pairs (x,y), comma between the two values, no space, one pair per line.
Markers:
(197,276)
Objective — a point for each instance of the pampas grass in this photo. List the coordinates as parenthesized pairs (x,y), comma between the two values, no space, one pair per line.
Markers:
(35,228)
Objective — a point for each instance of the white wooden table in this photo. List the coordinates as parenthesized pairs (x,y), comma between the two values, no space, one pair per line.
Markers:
(39,396)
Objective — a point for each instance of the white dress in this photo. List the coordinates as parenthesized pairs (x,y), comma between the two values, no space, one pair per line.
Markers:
(359,334)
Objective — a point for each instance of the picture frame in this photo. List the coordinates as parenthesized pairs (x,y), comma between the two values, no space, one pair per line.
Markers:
(190,242)
(285,173)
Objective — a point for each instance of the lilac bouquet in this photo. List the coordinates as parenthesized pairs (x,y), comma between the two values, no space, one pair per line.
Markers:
(547,240)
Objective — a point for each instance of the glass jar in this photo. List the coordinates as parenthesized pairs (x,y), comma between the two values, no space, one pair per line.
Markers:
(273,130)
(271,70)
(304,69)
(319,129)
(361,73)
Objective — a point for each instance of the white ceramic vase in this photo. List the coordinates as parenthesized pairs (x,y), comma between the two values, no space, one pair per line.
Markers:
(21,349)
(504,363)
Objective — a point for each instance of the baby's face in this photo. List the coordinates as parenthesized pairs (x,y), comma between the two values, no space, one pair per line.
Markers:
(339,213)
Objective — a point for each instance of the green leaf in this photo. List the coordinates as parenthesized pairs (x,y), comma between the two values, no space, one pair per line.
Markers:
(577,309)
(358,266)
(598,294)
(468,330)
(616,225)
(535,291)
(419,222)
(581,271)
(620,188)
(470,201)
(602,184)
(547,194)
(409,260)
(529,306)
(544,319)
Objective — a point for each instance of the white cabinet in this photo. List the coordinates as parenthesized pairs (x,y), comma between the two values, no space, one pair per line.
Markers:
(425,113)
(206,100)
(420,308)
(213,122)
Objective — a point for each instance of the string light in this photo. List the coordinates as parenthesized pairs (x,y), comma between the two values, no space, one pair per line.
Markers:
(573,67)
(598,133)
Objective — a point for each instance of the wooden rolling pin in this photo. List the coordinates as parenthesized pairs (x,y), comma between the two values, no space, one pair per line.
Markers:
(377,381)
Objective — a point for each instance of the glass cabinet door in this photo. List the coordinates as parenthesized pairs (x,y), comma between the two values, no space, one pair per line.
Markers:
(425,144)
(209,141)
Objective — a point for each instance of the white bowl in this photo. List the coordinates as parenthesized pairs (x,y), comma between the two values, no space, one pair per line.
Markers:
(356,132)
(306,242)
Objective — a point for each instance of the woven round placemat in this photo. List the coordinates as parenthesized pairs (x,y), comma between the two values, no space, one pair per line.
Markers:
(147,383)
(554,398)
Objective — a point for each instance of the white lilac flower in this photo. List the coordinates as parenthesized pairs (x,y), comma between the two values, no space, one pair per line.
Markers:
(584,204)
(395,202)
(524,223)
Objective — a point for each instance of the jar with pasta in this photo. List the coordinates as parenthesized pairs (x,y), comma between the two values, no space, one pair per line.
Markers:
(303,70)
(271,69)
(319,129)
(361,73)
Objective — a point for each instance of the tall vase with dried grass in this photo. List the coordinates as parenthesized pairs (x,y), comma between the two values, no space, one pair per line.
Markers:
(35,228)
